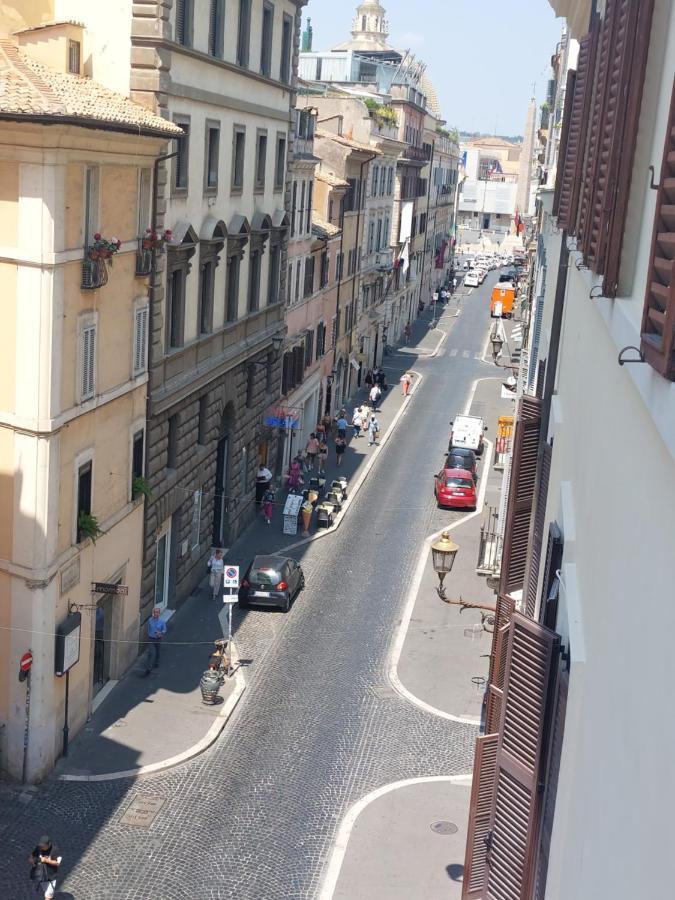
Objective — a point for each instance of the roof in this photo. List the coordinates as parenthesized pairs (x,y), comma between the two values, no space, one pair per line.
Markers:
(52,24)
(332,180)
(31,90)
(458,473)
(348,142)
(323,229)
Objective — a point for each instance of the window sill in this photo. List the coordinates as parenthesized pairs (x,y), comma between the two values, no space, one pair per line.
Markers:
(211,191)
(259,189)
(236,191)
(179,193)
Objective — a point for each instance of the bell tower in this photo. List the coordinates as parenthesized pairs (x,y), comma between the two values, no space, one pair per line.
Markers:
(370,26)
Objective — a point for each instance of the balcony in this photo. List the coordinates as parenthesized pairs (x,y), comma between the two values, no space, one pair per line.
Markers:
(416,154)
(143,260)
(94,274)
(384,260)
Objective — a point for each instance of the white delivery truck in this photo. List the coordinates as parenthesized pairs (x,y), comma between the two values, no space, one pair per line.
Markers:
(467,432)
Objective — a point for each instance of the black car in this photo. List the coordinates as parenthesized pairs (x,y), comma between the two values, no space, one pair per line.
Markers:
(461,458)
(510,275)
(271,581)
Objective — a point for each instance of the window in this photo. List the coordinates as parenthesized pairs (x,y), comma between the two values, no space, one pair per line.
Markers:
(87,356)
(274,270)
(260,160)
(140,348)
(144,200)
(351,262)
(294,206)
(301,211)
(206,288)
(180,163)
(286,44)
(238,151)
(297,279)
(244,32)
(137,454)
(211,157)
(423,222)
(266,40)
(172,442)
(385,236)
(91,193)
(175,307)
(371,236)
(309,277)
(255,261)
(339,266)
(289,284)
(378,240)
(184,22)
(202,422)
(84,482)
(74,57)
(233,265)
(309,348)
(373,187)
(310,200)
(216,26)
(320,339)
(280,163)
(325,263)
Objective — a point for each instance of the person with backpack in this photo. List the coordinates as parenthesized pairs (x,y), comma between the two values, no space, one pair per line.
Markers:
(268,505)
(44,862)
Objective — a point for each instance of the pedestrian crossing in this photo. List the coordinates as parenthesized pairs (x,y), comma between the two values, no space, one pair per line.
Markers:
(465,354)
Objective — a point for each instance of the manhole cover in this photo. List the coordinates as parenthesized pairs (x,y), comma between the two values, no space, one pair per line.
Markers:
(142,811)
(444,827)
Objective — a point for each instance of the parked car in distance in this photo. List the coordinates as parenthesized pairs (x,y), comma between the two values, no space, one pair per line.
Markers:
(467,432)
(271,581)
(471,278)
(509,275)
(455,488)
(462,458)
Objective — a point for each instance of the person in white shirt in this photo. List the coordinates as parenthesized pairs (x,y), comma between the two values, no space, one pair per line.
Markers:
(216,565)
(375,394)
(263,479)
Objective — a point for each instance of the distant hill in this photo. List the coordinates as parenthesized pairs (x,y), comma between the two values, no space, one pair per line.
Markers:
(470,135)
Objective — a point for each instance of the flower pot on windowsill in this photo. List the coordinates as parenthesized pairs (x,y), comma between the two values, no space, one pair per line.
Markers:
(140,487)
(87,527)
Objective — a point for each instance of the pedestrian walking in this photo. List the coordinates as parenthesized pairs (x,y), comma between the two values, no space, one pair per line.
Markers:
(44,862)
(268,505)
(407,331)
(357,421)
(374,395)
(405,383)
(369,377)
(323,456)
(341,423)
(216,564)
(295,474)
(311,449)
(156,631)
(340,447)
(373,431)
(262,478)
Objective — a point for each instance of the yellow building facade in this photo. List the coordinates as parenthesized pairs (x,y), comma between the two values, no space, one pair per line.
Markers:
(76,162)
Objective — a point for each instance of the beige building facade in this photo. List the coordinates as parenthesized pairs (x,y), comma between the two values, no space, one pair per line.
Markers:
(75,174)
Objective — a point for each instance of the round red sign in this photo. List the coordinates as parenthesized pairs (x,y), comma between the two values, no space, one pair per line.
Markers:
(26,661)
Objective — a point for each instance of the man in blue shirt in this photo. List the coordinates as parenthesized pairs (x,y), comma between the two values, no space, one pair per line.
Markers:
(156,631)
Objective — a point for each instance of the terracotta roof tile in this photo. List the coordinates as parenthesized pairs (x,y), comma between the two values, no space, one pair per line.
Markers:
(348,142)
(30,89)
(323,229)
(332,180)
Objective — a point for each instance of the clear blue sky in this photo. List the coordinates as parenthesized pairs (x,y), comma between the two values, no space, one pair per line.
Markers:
(482,55)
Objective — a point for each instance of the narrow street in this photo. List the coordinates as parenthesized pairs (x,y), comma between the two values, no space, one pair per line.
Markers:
(319,725)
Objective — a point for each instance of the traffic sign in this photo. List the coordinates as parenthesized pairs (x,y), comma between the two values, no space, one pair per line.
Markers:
(26,661)
(231,577)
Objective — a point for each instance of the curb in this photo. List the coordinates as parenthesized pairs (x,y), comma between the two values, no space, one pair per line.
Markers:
(214,731)
(341,842)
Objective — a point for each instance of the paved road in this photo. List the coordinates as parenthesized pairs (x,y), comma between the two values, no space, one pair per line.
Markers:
(319,726)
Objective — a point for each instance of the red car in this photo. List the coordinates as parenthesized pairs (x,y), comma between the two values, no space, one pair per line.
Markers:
(455,488)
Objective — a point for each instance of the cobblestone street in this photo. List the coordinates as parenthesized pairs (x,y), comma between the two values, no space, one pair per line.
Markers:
(319,725)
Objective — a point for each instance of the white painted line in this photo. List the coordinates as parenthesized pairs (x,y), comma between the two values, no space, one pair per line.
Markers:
(454,351)
(465,354)
(334,867)
(102,694)
(210,736)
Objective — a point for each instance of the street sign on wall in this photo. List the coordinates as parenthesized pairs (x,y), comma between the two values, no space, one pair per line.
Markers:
(104,587)
(67,651)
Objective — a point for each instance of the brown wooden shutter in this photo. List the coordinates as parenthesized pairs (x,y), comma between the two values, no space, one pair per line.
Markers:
(530,590)
(514,823)
(620,83)
(503,613)
(480,807)
(658,320)
(578,129)
(639,30)
(553,772)
(540,382)
(521,495)
(562,174)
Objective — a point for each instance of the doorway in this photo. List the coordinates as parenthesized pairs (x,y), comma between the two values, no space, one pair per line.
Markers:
(102,636)
(162,562)
(221,522)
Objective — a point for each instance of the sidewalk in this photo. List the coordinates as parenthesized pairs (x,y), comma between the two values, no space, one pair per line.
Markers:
(148,724)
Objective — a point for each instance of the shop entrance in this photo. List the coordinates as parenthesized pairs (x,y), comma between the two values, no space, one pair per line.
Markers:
(102,636)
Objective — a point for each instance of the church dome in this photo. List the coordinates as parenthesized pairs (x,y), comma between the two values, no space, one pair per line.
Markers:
(370,29)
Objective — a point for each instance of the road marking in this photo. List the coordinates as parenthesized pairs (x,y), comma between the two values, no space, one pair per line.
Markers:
(465,354)
(344,833)
(454,351)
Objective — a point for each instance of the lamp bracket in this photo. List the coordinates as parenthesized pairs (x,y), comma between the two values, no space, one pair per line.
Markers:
(596,287)
(640,359)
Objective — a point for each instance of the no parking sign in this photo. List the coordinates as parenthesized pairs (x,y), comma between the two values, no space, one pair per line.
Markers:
(231,577)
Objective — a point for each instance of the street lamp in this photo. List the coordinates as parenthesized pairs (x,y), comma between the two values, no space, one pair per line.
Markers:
(497,342)
(277,341)
(443,553)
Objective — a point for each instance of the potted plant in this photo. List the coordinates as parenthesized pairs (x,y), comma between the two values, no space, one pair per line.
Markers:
(153,240)
(88,527)
(104,248)
(140,487)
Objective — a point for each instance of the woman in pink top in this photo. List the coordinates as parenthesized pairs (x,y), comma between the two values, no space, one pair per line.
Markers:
(312,448)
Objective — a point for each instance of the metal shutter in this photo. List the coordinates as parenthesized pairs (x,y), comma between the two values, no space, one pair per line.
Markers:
(658,320)
(521,495)
(516,810)
(482,790)
(530,591)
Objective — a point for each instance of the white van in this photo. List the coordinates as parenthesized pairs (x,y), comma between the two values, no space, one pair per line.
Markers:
(471,279)
(467,432)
